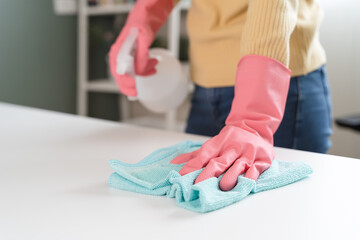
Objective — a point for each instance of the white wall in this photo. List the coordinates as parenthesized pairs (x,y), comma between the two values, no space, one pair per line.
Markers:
(340,35)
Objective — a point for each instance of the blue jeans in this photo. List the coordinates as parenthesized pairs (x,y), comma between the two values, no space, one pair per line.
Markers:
(307,122)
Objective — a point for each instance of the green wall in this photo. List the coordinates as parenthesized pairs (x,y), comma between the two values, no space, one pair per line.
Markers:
(38,59)
(37,55)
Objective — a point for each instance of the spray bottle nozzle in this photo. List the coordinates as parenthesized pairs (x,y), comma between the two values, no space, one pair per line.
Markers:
(125,58)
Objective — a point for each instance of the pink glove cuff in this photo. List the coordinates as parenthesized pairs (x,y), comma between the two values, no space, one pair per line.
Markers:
(261,89)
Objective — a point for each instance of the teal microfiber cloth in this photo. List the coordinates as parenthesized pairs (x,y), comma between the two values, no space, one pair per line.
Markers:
(154,175)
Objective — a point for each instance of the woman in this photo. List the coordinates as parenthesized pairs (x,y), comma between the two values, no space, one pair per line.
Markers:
(270,51)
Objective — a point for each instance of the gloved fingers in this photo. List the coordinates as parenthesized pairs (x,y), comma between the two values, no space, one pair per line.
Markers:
(229,180)
(184,157)
(150,68)
(193,164)
(209,150)
(126,81)
(126,84)
(217,166)
(257,168)
(142,58)
(131,92)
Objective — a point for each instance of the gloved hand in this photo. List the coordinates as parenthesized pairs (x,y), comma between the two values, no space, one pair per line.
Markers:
(245,144)
(147,16)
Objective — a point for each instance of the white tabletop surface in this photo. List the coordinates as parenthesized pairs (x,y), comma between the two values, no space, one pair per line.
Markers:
(53,185)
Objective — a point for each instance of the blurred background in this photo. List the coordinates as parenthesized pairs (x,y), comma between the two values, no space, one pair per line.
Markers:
(42,66)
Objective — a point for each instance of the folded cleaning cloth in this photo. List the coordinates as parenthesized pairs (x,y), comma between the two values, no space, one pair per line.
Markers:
(154,175)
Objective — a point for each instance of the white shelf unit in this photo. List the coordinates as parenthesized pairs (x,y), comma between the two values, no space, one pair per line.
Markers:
(107,85)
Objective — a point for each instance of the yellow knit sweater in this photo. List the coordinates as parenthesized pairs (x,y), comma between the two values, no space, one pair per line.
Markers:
(222,31)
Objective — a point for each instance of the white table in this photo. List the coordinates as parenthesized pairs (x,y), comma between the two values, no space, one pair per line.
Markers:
(53,185)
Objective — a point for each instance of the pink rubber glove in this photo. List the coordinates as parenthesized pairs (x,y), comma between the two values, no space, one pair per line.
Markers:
(245,144)
(147,16)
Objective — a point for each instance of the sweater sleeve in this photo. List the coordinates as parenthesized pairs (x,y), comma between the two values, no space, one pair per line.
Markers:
(267,30)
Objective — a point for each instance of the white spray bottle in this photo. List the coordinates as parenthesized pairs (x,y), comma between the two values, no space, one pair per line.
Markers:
(161,92)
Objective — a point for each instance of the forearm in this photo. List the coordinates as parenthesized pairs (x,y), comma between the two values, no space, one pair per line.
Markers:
(153,15)
(268,27)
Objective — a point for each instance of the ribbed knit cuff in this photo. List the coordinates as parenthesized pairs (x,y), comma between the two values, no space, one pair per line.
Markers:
(268,27)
